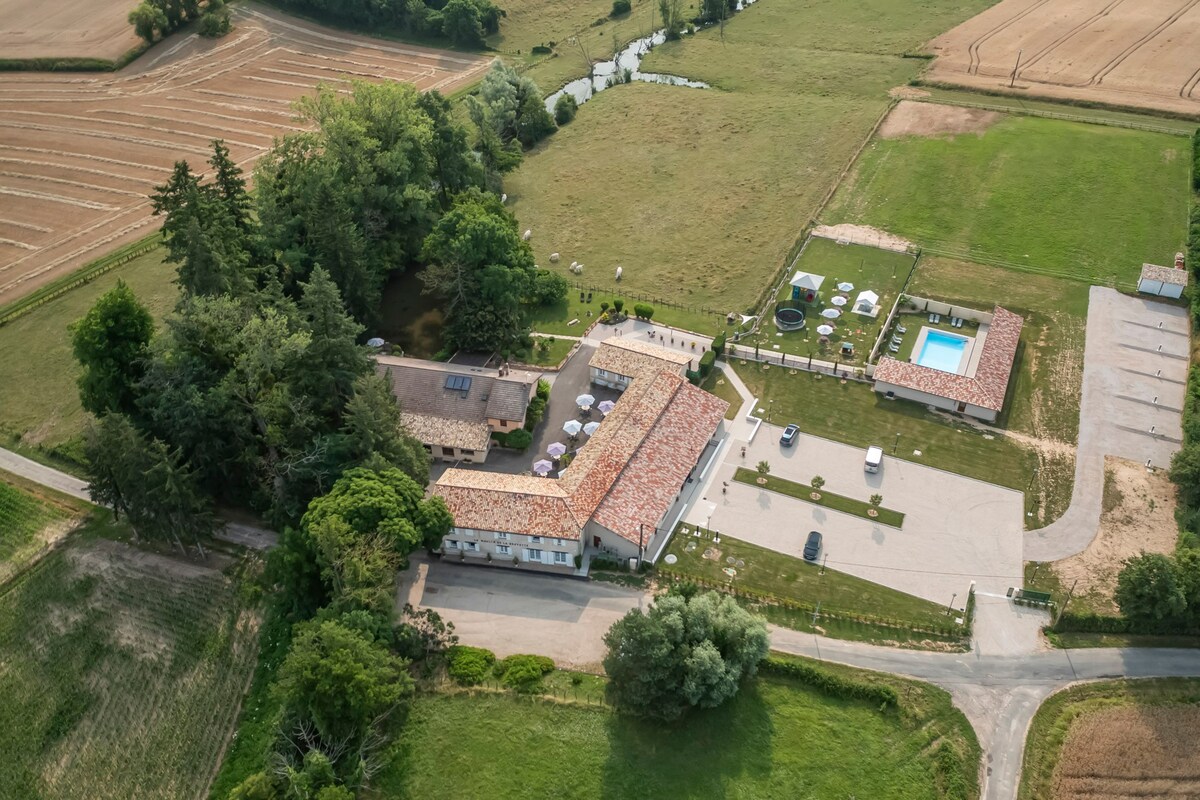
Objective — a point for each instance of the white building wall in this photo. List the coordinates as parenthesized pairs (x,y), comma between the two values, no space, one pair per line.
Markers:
(905,393)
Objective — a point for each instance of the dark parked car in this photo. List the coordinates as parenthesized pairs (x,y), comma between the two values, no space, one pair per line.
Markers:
(812,546)
(789,435)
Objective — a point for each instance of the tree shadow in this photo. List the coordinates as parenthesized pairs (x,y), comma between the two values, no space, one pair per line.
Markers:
(704,755)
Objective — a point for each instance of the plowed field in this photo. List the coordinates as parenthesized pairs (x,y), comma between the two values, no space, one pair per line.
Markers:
(66,29)
(80,153)
(1143,53)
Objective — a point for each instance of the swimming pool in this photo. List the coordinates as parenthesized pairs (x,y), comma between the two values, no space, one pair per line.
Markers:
(942,351)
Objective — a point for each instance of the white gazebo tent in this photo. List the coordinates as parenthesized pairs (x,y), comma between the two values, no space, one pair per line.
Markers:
(805,286)
(866,303)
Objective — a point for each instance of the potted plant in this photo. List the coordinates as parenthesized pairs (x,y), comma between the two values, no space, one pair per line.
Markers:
(876,501)
(763,468)
(817,482)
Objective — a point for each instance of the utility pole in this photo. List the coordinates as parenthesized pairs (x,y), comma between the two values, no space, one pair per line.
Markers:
(641,539)
(816,613)
(1016,68)
(1070,594)
(824,561)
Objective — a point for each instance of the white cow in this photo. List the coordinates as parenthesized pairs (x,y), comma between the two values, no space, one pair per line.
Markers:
(526,235)
(554,258)
(619,271)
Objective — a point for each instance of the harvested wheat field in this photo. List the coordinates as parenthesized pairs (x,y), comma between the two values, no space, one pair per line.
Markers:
(1143,53)
(65,29)
(1139,515)
(1131,752)
(80,153)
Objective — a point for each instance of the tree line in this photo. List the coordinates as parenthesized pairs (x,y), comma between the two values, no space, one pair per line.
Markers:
(462,22)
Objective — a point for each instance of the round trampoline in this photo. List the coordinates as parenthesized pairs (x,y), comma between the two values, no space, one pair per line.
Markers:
(789,319)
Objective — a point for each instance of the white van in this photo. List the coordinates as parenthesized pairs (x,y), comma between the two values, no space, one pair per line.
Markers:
(874,459)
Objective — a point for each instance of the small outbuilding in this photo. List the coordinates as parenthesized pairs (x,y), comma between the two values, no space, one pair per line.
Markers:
(867,304)
(1162,281)
(806,286)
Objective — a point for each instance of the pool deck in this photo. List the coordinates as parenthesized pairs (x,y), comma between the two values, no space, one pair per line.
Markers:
(976,336)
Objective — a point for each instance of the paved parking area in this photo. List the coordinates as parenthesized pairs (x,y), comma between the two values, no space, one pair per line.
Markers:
(955,530)
(1134,380)
(520,612)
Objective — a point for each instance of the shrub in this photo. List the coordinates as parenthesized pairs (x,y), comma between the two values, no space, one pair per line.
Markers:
(706,363)
(469,665)
(519,439)
(543,389)
(643,311)
(817,482)
(694,377)
(534,413)
(215,24)
(620,7)
(549,287)
(1195,152)
(603,306)
(618,305)
(718,344)
(541,50)
(564,108)
(830,684)
(523,672)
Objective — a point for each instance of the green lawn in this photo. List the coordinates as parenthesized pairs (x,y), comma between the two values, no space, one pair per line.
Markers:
(882,271)
(40,402)
(722,388)
(28,513)
(122,673)
(1052,724)
(1036,195)
(774,576)
(701,195)
(775,739)
(828,499)
(854,414)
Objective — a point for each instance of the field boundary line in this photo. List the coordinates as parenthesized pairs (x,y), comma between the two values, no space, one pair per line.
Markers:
(1037,112)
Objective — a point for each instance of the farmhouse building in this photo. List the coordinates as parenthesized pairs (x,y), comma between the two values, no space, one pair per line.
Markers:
(617,493)
(978,384)
(454,409)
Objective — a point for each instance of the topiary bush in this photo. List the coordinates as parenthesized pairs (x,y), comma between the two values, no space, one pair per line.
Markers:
(706,363)
(618,305)
(523,673)
(718,344)
(469,665)
(620,7)
(643,311)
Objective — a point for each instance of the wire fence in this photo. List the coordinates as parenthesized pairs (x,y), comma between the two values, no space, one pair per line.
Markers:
(612,292)
(794,362)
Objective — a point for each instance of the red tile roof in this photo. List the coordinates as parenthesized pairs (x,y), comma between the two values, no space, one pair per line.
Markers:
(625,476)
(985,388)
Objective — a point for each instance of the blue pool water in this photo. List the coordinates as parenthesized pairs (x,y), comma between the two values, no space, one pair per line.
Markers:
(942,351)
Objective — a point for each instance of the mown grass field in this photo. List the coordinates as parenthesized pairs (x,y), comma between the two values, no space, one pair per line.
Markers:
(1115,739)
(39,401)
(1089,202)
(775,739)
(122,674)
(718,384)
(701,194)
(31,517)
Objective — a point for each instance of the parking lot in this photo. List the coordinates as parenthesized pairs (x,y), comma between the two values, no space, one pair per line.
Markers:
(955,530)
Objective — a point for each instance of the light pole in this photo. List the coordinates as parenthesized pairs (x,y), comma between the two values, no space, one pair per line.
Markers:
(950,608)
(896,444)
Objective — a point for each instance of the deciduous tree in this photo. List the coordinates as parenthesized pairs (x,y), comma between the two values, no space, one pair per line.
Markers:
(1148,589)
(111,343)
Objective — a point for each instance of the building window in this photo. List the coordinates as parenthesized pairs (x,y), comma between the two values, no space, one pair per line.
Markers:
(471,547)
(466,532)
(560,543)
(448,451)
(533,555)
(468,452)
(603,373)
(560,557)
(451,544)
(535,540)
(503,549)
(502,536)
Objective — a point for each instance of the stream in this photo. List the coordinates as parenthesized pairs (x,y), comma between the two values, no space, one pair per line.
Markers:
(612,72)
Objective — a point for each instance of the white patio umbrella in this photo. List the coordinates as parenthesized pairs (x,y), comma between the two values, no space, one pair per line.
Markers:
(606,406)
(838,300)
(585,401)
(824,330)
(572,427)
(846,287)
(542,467)
(591,428)
(557,449)
(831,313)
(375,342)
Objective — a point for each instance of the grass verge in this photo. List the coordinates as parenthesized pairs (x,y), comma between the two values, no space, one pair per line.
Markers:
(825,498)
(1049,736)
(718,384)
(788,590)
(31,519)
(777,738)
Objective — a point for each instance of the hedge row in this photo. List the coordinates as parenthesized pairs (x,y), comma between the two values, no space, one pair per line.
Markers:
(830,684)
(1103,623)
(948,631)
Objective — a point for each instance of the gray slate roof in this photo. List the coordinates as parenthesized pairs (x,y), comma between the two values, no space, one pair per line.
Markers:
(420,388)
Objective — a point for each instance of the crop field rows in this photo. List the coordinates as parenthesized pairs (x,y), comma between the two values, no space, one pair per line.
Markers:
(1122,52)
(79,154)
(122,674)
